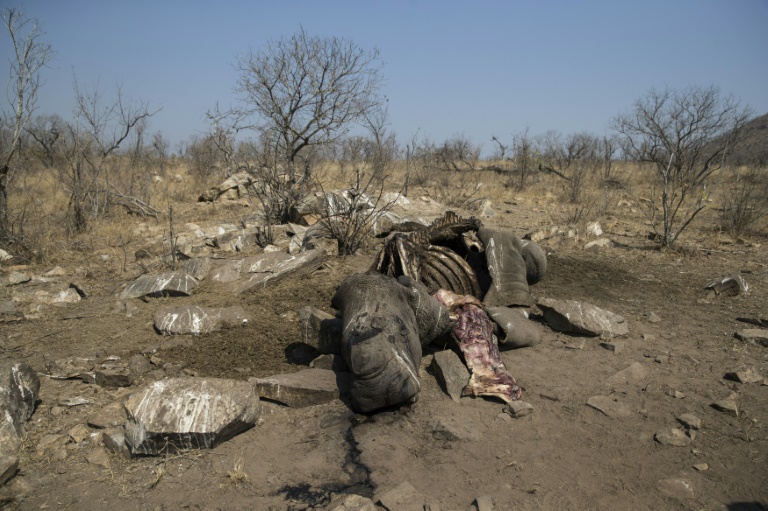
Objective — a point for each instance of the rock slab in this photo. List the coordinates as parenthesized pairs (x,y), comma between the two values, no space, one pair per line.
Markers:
(451,373)
(272,266)
(19,390)
(308,387)
(582,318)
(188,413)
(174,283)
(196,320)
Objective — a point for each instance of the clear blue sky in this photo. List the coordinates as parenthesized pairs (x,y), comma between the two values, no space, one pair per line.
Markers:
(478,68)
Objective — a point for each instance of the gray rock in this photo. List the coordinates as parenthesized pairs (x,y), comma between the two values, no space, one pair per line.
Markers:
(353,503)
(484,503)
(110,378)
(672,436)
(19,389)
(453,429)
(613,346)
(78,433)
(175,283)
(308,387)
(16,278)
(744,375)
(690,421)
(678,489)
(653,318)
(451,373)
(598,244)
(69,368)
(139,365)
(729,286)
(198,267)
(575,345)
(189,413)
(581,318)
(518,330)
(701,467)
(403,497)
(270,267)
(98,457)
(727,405)
(753,336)
(9,465)
(518,409)
(320,330)
(109,416)
(635,373)
(227,270)
(114,441)
(192,319)
(608,406)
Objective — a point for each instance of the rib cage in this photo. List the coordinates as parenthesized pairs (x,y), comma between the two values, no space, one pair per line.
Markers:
(424,256)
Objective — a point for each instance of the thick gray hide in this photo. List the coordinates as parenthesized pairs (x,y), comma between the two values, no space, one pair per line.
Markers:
(385,324)
(189,413)
(513,264)
(19,388)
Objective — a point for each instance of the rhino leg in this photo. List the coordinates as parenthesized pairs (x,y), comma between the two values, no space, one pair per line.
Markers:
(380,341)
(513,264)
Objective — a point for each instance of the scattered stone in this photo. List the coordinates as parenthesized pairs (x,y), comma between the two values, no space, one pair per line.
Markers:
(69,368)
(728,406)
(614,346)
(98,457)
(675,394)
(79,433)
(690,421)
(57,271)
(233,188)
(453,429)
(176,283)
(635,373)
(598,244)
(575,345)
(198,267)
(353,503)
(675,488)
(672,436)
(403,497)
(5,256)
(189,413)
(110,378)
(114,441)
(192,319)
(51,443)
(110,415)
(608,406)
(139,365)
(16,278)
(484,503)
(729,286)
(19,390)
(701,467)
(308,387)
(648,337)
(744,375)
(270,267)
(74,401)
(518,409)
(581,318)
(753,336)
(451,373)
(653,318)
(661,359)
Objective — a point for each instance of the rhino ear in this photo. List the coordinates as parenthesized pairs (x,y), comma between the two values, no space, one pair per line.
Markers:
(535,261)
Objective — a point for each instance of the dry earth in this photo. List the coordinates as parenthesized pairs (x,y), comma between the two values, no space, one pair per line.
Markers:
(565,455)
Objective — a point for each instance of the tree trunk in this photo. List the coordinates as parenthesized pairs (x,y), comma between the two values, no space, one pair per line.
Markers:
(4,227)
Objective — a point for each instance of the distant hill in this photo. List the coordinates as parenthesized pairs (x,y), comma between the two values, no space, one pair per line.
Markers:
(755,148)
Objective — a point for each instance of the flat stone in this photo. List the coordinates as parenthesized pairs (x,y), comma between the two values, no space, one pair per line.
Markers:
(320,330)
(729,286)
(613,346)
(308,387)
(198,267)
(484,503)
(51,443)
(110,415)
(139,365)
(728,406)
(195,320)
(16,278)
(79,433)
(99,457)
(675,394)
(518,409)
(353,503)
(672,436)
(403,497)
(111,378)
(608,406)
(227,270)
(581,318)
(744,375)
(175,283)
(598,244)
(69,368)
(757,336)
(575,345)
(451,373)
(453,429)
(271,267)
(634,373)
(678,489)
(690,421)
(653,318)
(9,465)
(189,413)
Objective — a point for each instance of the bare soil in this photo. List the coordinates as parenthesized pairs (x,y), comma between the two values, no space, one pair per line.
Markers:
(565,455)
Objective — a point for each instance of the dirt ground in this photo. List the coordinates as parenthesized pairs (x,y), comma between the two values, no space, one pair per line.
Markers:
(565,455)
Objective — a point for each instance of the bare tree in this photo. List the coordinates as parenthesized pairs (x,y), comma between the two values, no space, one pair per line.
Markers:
(685,136)
(523,150)
(308,90)
(30,54)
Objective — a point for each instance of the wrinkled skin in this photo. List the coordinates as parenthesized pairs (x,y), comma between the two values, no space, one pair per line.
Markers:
(385,323)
